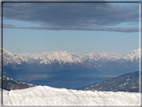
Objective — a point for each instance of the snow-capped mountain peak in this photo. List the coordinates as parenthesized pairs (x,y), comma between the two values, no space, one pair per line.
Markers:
(134,54)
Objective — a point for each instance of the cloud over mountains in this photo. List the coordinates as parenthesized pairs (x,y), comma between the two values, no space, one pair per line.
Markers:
(73,16)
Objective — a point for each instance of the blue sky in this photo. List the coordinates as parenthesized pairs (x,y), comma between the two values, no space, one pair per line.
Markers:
(78,28)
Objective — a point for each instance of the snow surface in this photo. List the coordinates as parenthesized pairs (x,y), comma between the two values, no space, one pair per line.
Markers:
(45,95)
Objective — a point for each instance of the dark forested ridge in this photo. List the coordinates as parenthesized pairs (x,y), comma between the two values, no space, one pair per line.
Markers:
(127,82)
(10,84)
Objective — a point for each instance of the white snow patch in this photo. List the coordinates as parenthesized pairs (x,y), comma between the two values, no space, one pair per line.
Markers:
(45,95)
(125,83)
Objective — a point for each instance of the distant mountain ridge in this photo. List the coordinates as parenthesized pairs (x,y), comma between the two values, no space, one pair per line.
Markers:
(127,82)
(61,60)
(65,56)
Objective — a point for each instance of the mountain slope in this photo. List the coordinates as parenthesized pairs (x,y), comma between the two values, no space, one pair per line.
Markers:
(10,84)
(127,82)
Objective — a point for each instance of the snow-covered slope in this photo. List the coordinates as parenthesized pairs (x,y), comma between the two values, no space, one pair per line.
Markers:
(45,95)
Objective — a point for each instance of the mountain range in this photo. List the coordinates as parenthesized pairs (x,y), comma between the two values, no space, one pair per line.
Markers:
(57,60)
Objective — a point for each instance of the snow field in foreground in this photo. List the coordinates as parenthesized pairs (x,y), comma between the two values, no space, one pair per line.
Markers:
(45,95)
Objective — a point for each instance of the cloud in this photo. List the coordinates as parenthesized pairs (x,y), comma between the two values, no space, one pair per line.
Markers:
(73,16)
(94,28)
(115,29)
(9,26)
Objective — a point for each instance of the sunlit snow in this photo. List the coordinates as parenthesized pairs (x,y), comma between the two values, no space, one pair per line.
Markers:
(45,95)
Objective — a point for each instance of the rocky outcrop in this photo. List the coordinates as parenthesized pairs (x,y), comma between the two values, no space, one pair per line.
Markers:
(10,84)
